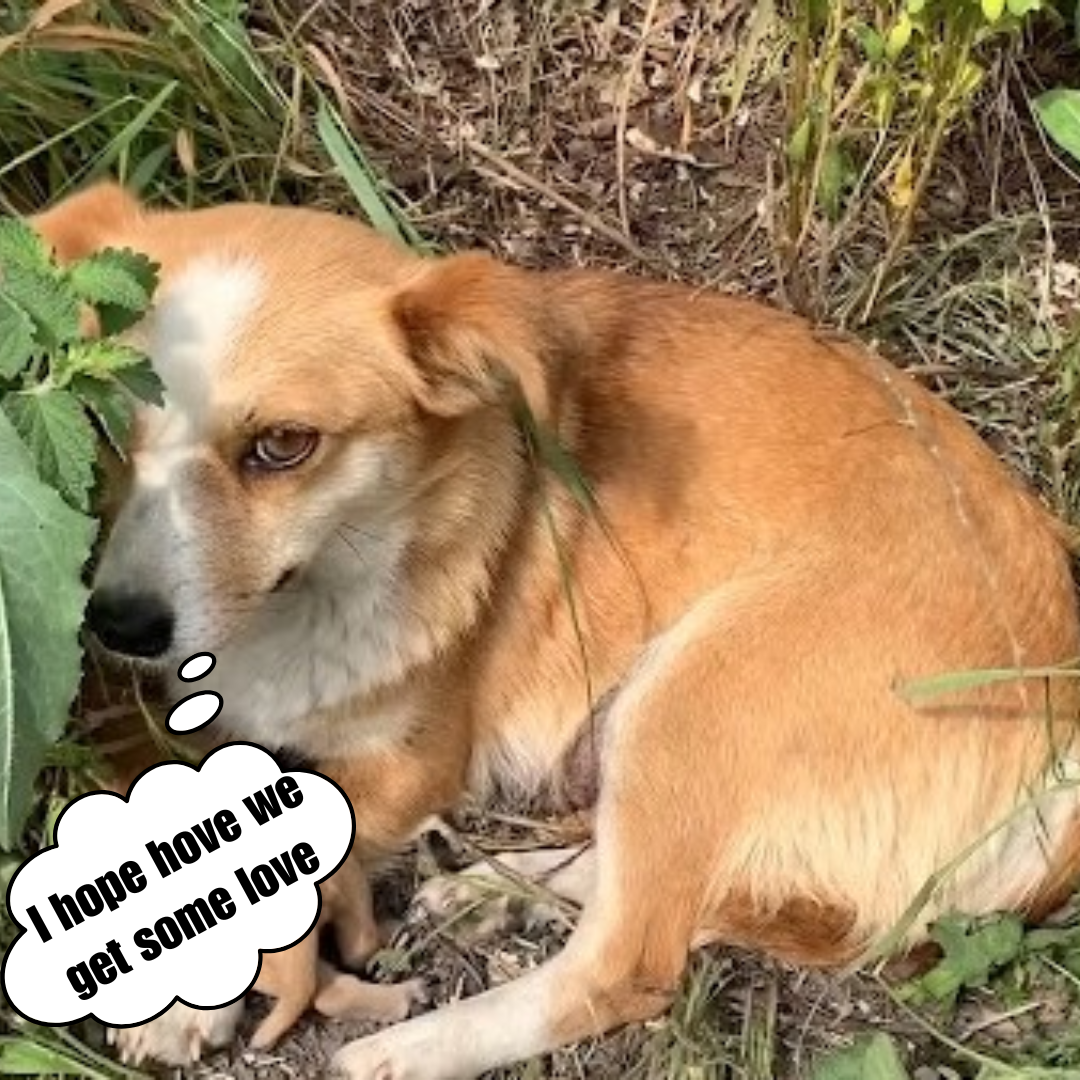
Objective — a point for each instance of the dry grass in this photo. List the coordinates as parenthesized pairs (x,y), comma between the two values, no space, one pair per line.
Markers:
(648,137)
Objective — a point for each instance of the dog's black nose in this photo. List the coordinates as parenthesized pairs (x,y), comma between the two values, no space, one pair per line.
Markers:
(136,624)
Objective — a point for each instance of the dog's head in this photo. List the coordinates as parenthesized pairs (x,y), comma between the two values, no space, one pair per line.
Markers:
(336,419)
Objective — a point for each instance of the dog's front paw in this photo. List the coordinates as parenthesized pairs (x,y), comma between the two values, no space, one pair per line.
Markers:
(178,1036)
(386,1056)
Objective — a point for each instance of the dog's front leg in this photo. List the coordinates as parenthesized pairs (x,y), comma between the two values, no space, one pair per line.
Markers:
(396,788)
(621,965)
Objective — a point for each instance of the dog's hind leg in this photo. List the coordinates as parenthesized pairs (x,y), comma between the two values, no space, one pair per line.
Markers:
(659,826)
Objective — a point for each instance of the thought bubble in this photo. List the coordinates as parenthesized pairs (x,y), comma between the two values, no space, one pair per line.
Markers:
(172,893)
(196,710)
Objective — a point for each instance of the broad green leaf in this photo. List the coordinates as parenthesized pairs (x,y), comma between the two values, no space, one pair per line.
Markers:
(1059,113)
(45,298)
(113,276)
(836,176)
(16,338)
(873,1058)
(971,952)
(1049,937)
(111,408)
(896,41)
(20,245)
(818,15)
(118,283)
(993,10)
(55,428)
(143,382)
(1020,8)
(870,41)
(100,358)
(44,545)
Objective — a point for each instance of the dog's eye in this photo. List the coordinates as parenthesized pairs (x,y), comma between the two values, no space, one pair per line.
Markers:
(281,447)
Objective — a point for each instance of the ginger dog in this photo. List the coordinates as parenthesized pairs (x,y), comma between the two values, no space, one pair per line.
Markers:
(351,497)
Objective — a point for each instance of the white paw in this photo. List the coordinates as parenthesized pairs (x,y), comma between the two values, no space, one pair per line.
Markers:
(178,1036)
(386,1056)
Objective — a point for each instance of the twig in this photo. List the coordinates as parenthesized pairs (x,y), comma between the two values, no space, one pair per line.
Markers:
(997,1018)
(624,108)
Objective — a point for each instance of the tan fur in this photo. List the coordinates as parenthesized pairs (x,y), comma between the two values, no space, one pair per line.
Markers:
(787,531)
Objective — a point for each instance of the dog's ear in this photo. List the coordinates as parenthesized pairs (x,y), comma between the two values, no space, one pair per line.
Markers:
(474,330)
(87,221)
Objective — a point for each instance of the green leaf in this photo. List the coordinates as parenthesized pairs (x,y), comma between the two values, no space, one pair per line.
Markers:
(817,16)
(118,283)
(1020,8)
(20,245)
(920,690)
(870,41)
(143,382)
(45,298)
(43,1054)
(44,545)
(972,951)
(100,358)
(798,147)
(873,1058)
(111,408)
(1059,113)
(69,1056)
(553,455)
(16,338)
(23,1057)
(836,177)
(896,41)
(114,276)
(993,10)
(55,428)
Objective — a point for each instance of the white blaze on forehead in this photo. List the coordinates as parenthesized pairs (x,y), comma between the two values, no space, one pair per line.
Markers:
(195,324)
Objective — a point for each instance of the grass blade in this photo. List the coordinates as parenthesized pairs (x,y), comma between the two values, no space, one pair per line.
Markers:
(359,175)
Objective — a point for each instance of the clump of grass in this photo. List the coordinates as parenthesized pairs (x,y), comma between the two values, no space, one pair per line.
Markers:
(876,90)
(188,101)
